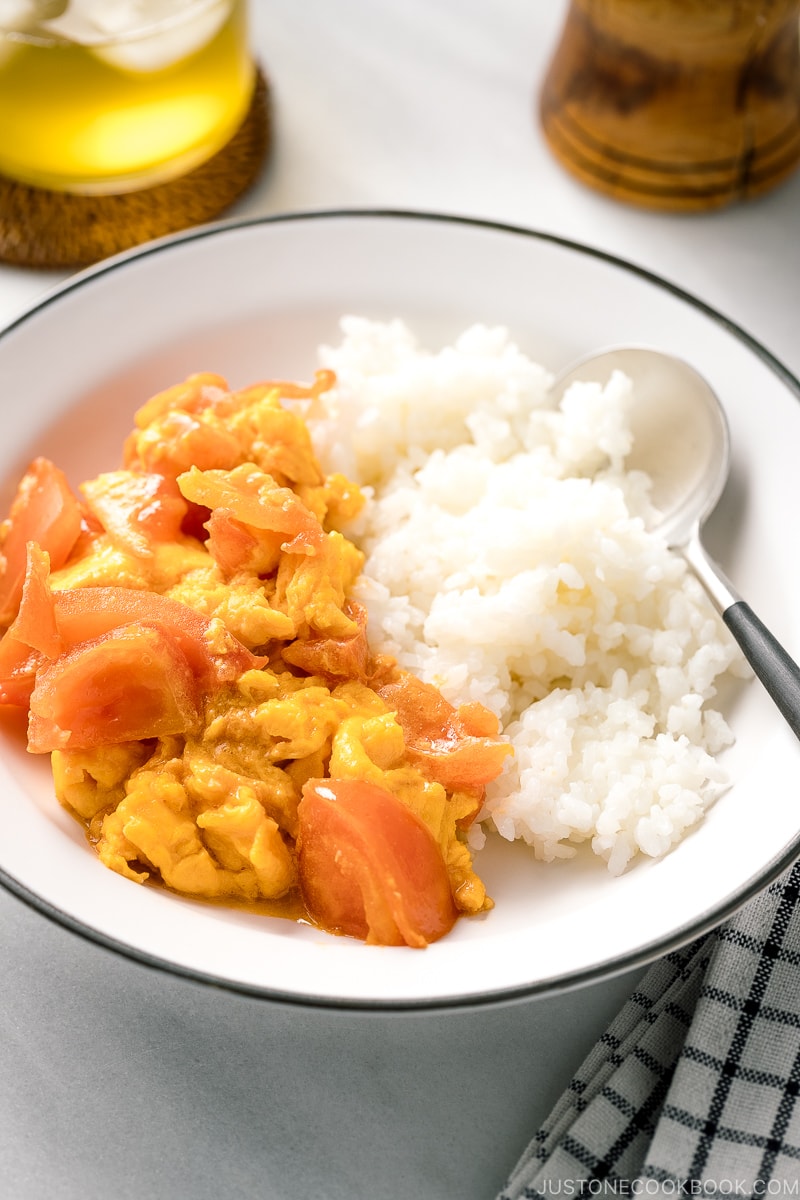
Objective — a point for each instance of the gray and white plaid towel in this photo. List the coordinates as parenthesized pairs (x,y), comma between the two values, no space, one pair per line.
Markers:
(693,1090)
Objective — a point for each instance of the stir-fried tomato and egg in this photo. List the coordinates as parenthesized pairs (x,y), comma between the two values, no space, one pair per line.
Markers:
(181,633)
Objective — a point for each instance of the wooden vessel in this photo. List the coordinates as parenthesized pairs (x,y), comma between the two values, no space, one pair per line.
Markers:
(676,104)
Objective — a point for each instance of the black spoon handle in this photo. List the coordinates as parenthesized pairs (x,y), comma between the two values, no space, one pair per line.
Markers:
(776,669)
(773,665)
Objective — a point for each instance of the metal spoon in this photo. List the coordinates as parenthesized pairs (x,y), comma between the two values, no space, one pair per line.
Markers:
(681,440)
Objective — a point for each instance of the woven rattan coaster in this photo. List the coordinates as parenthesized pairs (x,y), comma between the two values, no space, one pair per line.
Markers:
(41,228)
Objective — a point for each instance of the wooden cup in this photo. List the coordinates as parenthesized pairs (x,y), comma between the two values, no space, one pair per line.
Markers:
(676,104)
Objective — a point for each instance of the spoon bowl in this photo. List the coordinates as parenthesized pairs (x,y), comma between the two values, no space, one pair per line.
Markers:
(680,432)
(681,440)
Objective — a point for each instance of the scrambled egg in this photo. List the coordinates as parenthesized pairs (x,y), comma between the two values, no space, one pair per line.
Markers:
(215,816)
(212,812)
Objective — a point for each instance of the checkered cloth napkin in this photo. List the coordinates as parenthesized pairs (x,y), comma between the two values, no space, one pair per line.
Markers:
(693,1090)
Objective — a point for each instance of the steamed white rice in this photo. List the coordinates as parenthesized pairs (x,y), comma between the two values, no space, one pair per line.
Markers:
(508,561)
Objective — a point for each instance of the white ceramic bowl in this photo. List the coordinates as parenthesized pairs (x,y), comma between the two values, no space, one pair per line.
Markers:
(253,299)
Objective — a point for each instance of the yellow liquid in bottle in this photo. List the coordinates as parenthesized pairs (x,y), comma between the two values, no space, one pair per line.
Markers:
(109,117)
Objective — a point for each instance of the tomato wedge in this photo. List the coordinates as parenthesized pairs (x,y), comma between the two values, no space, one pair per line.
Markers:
(46,511)
(129,684)
(137,508)
(334,658)
(236,547)
(213,654)
(457,747)
(18,666)
(35,622)
(252,497)
(52,624)
(33,635)
(369,867)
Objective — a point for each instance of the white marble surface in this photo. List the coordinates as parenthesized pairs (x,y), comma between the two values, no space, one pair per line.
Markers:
(119,1081)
